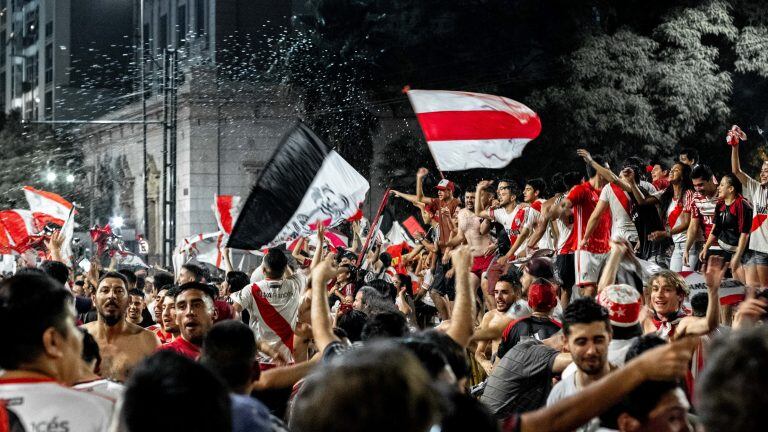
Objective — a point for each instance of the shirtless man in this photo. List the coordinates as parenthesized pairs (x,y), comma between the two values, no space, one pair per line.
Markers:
(507,294)
(122,344)
(473,230)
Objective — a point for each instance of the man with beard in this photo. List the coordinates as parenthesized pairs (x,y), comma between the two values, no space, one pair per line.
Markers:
(507,293)
(587,332)
(122,344)
(195,314)
(136,306)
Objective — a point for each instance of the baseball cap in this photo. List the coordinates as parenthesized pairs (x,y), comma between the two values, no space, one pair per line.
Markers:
(541,295)
(623,303)
(445,184)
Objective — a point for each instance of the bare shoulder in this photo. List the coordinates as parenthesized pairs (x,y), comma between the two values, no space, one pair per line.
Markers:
(90,327)
(487,317)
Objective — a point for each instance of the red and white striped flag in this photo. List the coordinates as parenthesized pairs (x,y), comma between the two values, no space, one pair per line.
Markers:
(47,206)
(473,130)
(205,248)
(19,226)
(226,208)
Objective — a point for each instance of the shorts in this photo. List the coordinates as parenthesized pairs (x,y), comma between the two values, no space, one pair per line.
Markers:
(588,266)
(755,258)
(480,264)
(564,270)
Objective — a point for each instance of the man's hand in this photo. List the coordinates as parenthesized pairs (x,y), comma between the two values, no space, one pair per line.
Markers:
(422,172)
(667,362)
(449,273)
(714,271)
(320,233)
(325,270)
(503,260)
(461,259)
(484,184)
(657,235)
(491,249)
(583,243)
(54,244)
(584,154)
(749,312)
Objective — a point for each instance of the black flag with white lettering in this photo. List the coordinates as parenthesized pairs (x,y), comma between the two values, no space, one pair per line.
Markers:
(303,184)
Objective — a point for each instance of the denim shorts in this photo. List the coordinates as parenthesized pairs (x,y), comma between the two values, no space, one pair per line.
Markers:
(753,258)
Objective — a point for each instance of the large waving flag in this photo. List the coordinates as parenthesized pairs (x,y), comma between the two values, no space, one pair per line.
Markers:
(47,206)
(473,130)
(225,209)
(305,182)
(205,248)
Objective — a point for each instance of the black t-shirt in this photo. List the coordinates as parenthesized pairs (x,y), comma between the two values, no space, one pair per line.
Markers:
(727,227)
(529,327)
(502,238)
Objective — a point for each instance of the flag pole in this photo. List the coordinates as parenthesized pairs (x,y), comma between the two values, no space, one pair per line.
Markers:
(406,90)
(383,204)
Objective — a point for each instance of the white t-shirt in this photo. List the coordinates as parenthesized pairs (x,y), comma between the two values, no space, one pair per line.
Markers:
(277,306)
(427,299)
(617,352)
(564,230)
(514,222)
(758,196)
(49,406)
(620,206)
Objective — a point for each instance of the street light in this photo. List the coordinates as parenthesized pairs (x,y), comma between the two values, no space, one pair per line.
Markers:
(70,178)
(51,176)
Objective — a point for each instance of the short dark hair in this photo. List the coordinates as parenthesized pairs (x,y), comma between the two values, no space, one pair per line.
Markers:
(136,292)
(30,303)
(276,261)
(735,182)
(208,290)
(385,259)
(591,171)
(237,280)
(699,304)
(537,184)
(571,179)
(727,395)
(384,288)
(381,374)
(229,349)
(197,271)
(513,187)
(385,325)
(352,322)
(429,355)
(162,279)
(657,161)
(57,270)
(129,276)
(691,153)
(114,275)
(556,183)
(643,344)
(701,172)
(91,350)
(584,310)
(179,385)
(453,352)
(512,278)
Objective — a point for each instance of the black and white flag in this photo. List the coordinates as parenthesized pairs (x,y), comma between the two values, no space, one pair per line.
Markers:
(305,183)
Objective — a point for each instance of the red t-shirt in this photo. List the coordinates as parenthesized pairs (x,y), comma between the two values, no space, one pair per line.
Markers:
(584,199)
(183,347)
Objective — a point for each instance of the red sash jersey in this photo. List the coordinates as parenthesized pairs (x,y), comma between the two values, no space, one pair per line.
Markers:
(584,199)
(183,347)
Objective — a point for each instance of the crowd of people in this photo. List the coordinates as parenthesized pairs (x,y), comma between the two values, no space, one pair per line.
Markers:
(543,306)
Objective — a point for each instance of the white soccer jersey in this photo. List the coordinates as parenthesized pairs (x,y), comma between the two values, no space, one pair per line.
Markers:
(44,405)
(758,196)
(274,306)
(620,206)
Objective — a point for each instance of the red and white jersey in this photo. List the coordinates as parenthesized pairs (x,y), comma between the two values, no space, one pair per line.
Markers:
(274,307)
(42,404)
(563,228)
(620,204)
(675,212)
(547,240)
(584,199)
(703,209)
(758,196)
(513,222)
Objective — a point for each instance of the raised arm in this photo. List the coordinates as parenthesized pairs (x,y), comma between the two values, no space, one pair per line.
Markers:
(296,252)
(420,174)
(462,320)
(413,199)
(479,210)
(318,256)
(608,277)
(700,326)
(322,326)
(736,165)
